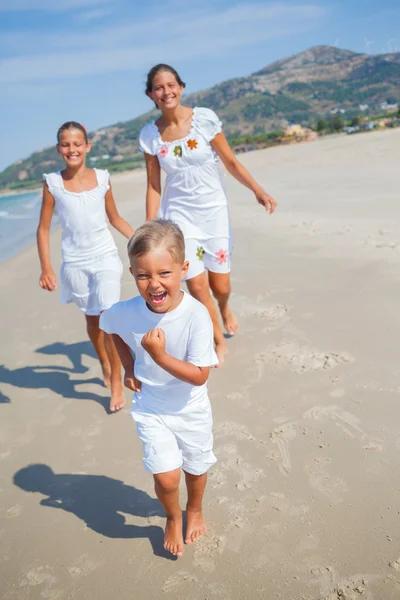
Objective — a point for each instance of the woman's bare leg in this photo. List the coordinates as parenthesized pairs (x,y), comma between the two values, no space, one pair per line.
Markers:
(220,284)
(199,288)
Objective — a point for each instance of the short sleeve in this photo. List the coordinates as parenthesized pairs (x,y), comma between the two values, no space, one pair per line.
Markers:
(208,123)
(103,177)
(52,180)
(147,139)
(201,340)
(106,321)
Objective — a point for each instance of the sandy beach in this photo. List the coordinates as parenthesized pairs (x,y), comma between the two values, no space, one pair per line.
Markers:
(304,501)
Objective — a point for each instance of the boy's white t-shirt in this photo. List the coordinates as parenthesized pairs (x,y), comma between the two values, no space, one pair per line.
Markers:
(189,337)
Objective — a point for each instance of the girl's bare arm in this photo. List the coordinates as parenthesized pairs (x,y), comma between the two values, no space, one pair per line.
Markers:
(240,173)
(47,279)
(126,358)
(153,195)
(114,217)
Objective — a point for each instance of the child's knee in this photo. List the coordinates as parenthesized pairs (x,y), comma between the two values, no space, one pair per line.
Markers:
(168,482)
(199,289)
(221,291)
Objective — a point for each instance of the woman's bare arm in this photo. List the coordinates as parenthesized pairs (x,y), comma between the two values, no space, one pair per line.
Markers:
(114,217)
(153,195)
(240,173)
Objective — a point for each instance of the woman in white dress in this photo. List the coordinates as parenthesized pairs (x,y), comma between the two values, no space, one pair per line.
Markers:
(185,143)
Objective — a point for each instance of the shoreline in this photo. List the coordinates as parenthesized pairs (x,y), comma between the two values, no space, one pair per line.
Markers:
(4,193)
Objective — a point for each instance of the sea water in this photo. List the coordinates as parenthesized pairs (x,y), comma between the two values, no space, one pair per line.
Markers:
(19,218)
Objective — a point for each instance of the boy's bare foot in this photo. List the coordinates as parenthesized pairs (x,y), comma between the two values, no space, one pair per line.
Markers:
(196,526)
(117,401)
(230,323)
(221,350)
(173,540)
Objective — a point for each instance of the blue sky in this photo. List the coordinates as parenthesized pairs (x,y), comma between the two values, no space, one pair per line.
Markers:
(86,60)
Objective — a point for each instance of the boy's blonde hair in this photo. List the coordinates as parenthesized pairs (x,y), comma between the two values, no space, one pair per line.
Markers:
(153,234)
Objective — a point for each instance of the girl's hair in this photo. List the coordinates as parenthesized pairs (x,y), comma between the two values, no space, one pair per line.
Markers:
(159,69)
(154,234)
(72,125)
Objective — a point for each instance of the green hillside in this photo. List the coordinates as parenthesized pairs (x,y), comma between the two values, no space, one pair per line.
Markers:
(300,88)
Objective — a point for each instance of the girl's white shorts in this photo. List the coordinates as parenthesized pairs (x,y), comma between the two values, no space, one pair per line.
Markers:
(176,440)
(94,286)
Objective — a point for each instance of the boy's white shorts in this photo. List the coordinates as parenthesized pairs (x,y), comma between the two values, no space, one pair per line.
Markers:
(171,441)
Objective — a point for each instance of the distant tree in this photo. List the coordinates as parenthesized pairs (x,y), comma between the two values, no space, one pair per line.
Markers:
(321,125)
(257,129)
(356,121)
(336,124)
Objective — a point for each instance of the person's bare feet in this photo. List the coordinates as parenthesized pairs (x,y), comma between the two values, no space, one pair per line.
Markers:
(196,526)
(230,323)
(117,401)
(221,350)
(173,540)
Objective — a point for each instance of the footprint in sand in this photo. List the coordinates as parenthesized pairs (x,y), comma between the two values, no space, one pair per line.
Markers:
(346,421)
(208,550)
(229,428)
(14,511)
(333,488)
(281,436)
(300,359)
(334,587)
(281,503)
(275,315)
(176,580)
(82,566)
(234,463)
(44,577)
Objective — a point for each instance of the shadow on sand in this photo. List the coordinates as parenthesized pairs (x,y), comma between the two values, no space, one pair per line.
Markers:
(56,377)
(4,399)
(98,501)
(74,352)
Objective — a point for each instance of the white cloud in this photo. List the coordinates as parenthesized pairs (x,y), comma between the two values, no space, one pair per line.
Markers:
(189,34)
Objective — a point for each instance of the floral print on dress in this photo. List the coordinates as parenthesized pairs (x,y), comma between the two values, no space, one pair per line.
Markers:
(192,144)
(222,256)
(163,152)
(178,151)
(200,252)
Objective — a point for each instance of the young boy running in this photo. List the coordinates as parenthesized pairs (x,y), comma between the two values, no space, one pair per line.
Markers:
(164,338)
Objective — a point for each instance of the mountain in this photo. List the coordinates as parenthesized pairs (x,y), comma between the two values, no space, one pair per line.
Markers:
(300,88)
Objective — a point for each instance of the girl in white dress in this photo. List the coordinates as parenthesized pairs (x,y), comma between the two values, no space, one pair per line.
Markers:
(91,268)
(184,143)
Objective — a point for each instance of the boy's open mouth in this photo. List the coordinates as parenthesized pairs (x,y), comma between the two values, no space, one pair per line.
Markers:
(158,298)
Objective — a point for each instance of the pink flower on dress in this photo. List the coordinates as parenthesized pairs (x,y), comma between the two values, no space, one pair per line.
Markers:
(222,256)
(163,152)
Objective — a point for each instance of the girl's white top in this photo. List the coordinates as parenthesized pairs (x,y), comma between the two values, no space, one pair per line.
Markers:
(193,193)
(85,232)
